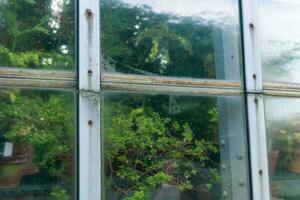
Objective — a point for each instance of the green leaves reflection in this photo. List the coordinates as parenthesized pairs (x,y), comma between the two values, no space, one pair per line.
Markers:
(141,41)
(32,33)
(46,121)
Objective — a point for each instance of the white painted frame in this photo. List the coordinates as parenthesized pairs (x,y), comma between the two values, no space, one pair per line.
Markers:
(255,103)
(252,55)
(258,148)
(89,100)
(89,95)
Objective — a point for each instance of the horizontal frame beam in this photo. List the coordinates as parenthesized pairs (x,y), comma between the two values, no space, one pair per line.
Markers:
(38,83)
(170,90)
(8,72)
(68,79)
(38,78)
(170,81)
(282,93)
(282,86)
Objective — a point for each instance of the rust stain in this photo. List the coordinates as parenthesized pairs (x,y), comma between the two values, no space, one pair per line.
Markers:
(167,80)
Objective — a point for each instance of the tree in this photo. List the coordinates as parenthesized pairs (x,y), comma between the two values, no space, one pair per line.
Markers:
(140,41)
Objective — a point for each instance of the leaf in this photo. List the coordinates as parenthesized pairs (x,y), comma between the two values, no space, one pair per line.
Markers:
(11,21)
(184,42)
(32,2)
(11,96)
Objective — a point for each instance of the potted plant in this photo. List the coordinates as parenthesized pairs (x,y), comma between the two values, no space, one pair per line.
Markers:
(286,143)
(45,125)
(291,150)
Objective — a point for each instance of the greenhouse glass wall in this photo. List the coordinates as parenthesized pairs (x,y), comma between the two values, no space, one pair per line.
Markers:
(149,100)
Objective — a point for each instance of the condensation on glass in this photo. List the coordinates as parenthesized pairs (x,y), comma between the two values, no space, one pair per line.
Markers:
(177,38)
(37,34)
(280,40)
(37,144)
(161,146)
(283,137)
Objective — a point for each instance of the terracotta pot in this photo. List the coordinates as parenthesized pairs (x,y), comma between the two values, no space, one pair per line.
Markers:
(273,157)
(68,159)
(14,167)
(10,176)
(295,166)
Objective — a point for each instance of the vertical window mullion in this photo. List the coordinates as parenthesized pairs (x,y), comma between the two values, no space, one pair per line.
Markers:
(252,51)
(89,100)
(258,148)
(255,106)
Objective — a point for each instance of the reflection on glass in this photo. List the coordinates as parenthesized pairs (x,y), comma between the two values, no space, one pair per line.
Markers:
(182,38)
(283,131)
(280,42)
(173,147)
(37,34)
(37,145)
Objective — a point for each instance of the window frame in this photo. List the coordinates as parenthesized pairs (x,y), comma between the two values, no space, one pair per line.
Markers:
(179,86)
(88,84)
(255,104)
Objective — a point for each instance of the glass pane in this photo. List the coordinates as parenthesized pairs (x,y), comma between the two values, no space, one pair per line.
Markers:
(173,147)
(283,132)
(37,34)
(179,38)
(38,145)
(280,40)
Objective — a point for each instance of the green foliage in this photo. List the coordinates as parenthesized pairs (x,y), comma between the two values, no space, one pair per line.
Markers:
(59,193)
(45,122)
(44,119)
(145,150)
(32,2)
(142,41)
(28,40)
(35,59)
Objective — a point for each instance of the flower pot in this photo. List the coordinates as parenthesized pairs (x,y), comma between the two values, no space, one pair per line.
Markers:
(10,175)
(273,157)
(69,169)
(14,167)
(295,166)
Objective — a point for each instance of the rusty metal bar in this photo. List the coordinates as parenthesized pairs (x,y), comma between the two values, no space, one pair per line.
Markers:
(8,72)
(169,81)
(170,90)
(282,86)
(282,93)
(37,83)
(281,89)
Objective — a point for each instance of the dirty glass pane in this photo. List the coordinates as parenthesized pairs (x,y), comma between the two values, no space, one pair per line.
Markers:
(283,133)
(38,145)
(280,40)
(179,38)
(173,147)
(37,34)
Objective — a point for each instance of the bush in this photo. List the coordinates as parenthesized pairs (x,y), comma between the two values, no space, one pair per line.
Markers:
(144,150)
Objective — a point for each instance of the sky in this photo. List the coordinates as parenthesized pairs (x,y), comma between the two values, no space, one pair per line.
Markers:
(280,36)
(212,10)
